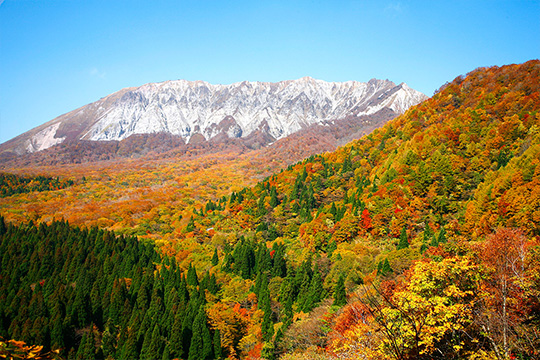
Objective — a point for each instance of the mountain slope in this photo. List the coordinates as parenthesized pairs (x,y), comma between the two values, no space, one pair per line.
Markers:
(199,110)
(417,208)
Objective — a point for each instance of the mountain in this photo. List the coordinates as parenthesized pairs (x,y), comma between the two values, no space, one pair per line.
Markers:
(197,111)
(418,241)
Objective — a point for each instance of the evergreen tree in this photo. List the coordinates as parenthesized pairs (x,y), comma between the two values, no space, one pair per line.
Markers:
(201,341)
(147,338)
(267,327)
(192,278)
(3,228)
(87,347)
(274,201)
(108,341)
(218,352)
(386,268)
(340,294)
(153,349)
(315,291)
(424,246)
(215,258)
(333,210)
(166,355)
(428,234)
(279,265)
(403,242)
(175,338)
(57,333)
(434,241)
(442,236)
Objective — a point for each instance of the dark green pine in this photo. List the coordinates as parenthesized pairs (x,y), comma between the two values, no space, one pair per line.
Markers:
(215,258)
(267,326)
(130,348)
(403,242)
(274,201)
(192,278)
(146,344)
(201,341)
(3,227)
(153,349)
(315,291)
(386,268)
(175,338)
(442,236)
(218,352)
(166,353)
(87,347)
(340,294)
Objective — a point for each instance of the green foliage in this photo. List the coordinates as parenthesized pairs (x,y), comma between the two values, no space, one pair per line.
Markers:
(201,342)
(218,351)
(86,289)
(340,293)
(215,258)
(11,184)
(403,241)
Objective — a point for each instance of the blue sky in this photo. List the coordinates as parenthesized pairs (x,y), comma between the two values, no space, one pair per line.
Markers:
(57,55)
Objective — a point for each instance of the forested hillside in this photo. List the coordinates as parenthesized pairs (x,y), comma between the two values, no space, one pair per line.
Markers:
(418,241)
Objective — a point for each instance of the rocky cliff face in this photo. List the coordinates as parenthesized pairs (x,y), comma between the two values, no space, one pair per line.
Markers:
(197,110)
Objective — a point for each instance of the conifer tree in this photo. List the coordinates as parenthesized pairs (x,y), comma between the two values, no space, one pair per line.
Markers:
(57,333)
(3,228)
(274,201)
(192,278)
(403,242)
(315,291)
(153,349)
(215,258)
(147,338)
(333,210)
(175,338)
(379,268)
(108,341)
(279,265)
(442,236)
(428,234)
(434,241)
(166,355)
(424,246)
(218,352)
(267,327)
(201,341)
(340,294)
(386,268)
(87,347)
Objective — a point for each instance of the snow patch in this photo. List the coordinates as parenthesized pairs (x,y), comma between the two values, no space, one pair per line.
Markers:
(44,139)
(179,107)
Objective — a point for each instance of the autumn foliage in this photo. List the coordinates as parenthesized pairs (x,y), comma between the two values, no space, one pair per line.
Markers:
(424,233)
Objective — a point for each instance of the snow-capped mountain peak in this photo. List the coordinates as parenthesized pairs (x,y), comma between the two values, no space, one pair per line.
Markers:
(185,108)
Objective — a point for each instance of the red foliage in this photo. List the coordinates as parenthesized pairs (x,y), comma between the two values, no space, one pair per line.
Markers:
(366,219)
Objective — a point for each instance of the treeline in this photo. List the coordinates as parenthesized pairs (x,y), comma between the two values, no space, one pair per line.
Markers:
(11,184)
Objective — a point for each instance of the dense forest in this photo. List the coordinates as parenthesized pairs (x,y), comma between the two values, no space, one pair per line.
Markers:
(419,241)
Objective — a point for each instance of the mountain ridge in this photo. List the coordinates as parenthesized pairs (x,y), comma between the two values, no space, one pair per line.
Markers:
(187,108)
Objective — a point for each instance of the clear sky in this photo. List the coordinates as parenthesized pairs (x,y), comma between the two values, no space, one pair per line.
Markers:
(57,55)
